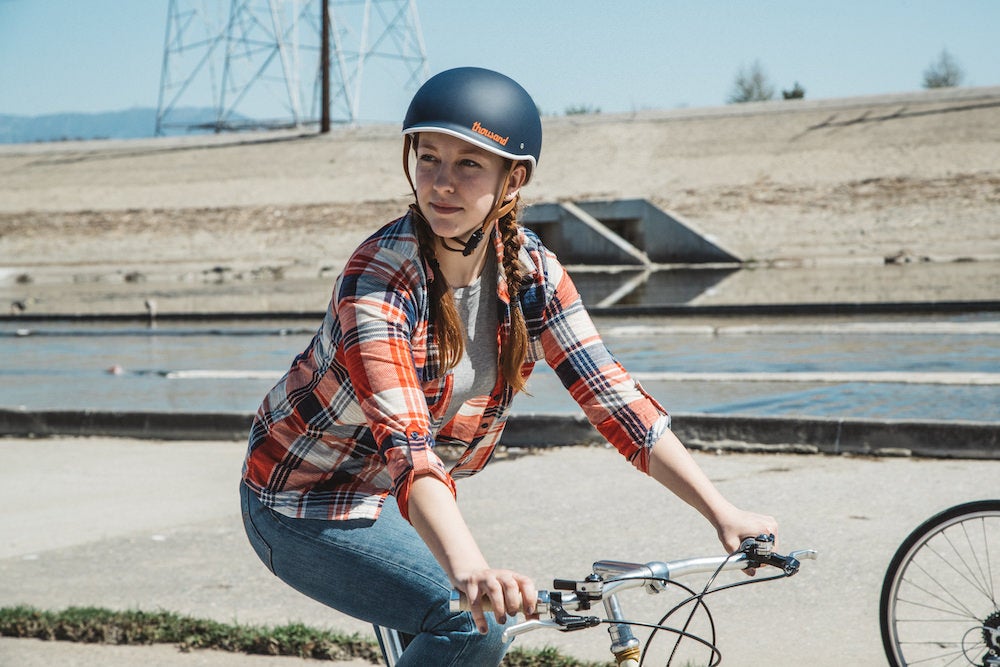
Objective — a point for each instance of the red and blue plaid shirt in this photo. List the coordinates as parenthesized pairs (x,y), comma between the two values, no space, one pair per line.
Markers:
(359,412)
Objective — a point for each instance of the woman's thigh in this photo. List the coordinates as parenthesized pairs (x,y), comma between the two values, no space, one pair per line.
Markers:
(377,571)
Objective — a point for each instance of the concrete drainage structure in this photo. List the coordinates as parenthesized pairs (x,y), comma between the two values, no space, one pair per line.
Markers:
(629,252)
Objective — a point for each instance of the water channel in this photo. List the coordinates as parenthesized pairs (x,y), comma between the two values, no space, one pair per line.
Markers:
(912,368)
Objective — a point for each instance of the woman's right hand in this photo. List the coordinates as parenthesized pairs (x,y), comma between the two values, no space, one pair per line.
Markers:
(504,591)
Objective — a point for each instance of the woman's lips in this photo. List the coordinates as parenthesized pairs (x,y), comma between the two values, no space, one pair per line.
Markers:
(444,209)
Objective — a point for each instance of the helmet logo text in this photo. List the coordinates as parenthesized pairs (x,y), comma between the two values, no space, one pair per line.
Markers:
(478,128)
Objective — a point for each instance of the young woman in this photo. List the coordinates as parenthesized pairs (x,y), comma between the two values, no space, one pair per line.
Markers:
(434,325)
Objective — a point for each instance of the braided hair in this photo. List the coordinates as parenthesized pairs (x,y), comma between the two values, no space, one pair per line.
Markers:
(514,348)
(448,327)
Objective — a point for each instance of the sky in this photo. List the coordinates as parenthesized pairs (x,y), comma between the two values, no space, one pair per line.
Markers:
(108,55)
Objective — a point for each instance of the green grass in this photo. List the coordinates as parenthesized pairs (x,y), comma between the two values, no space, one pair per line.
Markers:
(103,626)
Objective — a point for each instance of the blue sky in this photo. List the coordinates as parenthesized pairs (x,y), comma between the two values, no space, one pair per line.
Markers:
(105,55)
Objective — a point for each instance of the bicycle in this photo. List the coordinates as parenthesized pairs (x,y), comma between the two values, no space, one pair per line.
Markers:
(608,578)
(939,600)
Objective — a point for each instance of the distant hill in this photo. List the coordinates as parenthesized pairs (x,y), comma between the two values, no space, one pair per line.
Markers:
(130,124)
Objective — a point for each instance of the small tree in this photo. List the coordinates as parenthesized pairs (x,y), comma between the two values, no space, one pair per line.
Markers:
(751,85)
(796,93)
(582,110)
(944,73)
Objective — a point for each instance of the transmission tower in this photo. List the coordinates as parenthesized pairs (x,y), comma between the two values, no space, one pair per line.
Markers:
(259,65)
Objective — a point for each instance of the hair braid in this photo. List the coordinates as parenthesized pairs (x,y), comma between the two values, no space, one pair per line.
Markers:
(444,314)
(514,350)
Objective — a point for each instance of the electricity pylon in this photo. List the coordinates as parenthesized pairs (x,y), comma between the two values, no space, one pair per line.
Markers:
(260,65)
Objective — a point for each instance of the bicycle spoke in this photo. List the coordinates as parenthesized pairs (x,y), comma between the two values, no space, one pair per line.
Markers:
(981,584)
(951,656)
(971,580)
(959,610)
(991,593)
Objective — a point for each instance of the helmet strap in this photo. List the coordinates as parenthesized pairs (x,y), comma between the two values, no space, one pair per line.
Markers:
(466,247)
(499,210)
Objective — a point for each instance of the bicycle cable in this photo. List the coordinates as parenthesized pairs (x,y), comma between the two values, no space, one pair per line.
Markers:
(698,600)
(694,609)
(658,627)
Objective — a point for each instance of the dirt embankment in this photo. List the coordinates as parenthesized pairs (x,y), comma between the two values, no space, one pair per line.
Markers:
(211,222)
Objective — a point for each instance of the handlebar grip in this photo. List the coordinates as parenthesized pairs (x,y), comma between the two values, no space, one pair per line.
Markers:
(460,602)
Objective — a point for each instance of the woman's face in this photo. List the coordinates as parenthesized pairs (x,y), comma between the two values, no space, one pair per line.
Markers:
(457,183)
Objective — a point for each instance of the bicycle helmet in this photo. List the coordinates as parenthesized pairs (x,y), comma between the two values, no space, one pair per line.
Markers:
(482,107)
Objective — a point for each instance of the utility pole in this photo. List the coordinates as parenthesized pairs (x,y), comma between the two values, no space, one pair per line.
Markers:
(324,122)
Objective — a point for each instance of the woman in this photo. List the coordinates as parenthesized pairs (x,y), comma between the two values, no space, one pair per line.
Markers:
(434,325)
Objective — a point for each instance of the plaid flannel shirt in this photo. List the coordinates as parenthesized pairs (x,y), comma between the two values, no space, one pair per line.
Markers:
(359,412)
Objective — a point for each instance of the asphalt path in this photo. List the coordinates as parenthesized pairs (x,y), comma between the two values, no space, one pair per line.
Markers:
(139,524)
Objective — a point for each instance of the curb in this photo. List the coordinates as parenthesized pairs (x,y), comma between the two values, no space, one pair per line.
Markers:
(744,433)
(674,310)
(143,425)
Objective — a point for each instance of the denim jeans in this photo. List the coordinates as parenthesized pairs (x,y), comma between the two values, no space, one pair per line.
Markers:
(377,571)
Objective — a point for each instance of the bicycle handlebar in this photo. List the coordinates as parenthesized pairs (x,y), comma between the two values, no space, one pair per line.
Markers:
(609,577)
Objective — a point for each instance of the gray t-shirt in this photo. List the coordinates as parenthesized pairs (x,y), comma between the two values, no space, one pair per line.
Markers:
(476,373)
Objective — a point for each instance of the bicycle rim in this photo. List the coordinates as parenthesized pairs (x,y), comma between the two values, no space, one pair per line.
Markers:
(939,596)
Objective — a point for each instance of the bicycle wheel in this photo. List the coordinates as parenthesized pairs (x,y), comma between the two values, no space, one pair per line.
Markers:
(939,596)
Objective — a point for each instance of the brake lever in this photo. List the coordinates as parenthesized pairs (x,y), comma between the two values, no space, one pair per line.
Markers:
(566,621)
(527,626)
(760,551)
(561,620)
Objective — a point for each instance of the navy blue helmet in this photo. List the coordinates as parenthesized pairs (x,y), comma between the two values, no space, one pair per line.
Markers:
(482,107)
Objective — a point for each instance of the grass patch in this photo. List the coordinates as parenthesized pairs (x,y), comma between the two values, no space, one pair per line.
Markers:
(102,626)
(94,625)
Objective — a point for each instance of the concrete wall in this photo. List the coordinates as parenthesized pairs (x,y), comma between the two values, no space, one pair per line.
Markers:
(973,440)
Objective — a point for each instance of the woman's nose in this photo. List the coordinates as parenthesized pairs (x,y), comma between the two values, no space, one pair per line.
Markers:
(443,178)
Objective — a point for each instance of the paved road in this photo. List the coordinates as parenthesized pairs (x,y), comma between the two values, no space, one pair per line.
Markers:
(155,525)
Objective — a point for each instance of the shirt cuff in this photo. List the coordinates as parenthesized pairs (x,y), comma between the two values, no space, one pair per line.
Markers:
(415,459)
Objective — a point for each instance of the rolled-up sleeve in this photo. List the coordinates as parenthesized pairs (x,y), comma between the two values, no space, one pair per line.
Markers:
(377,307)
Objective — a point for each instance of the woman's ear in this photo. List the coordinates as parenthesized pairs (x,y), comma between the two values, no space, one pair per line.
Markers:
(518,177)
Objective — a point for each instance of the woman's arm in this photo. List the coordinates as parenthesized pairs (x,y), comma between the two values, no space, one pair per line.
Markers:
(437,519)
(672,465)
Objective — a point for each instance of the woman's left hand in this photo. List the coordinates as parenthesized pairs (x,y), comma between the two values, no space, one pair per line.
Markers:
(737,525)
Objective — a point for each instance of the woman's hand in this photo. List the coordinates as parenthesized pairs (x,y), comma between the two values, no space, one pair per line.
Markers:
(735,525)
(738,525)
(503,591)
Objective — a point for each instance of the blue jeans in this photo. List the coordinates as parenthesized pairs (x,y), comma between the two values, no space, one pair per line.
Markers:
(377,571)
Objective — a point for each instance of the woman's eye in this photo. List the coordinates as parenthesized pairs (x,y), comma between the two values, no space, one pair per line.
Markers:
(469,163)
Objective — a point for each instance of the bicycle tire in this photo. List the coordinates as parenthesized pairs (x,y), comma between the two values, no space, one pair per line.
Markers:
(939,599)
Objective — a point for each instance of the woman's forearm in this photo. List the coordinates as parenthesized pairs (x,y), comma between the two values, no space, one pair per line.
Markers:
(671,464)
(435,516)
(437,519)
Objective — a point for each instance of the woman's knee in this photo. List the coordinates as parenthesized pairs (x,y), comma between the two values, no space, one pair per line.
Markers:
(453,639)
